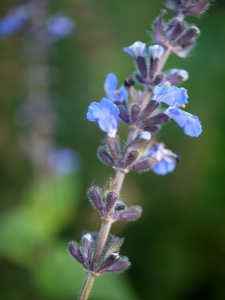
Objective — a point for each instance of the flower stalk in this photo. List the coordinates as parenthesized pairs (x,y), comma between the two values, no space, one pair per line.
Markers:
(144,113)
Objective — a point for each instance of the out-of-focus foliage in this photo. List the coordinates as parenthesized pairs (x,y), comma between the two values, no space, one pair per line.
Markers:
(177,248)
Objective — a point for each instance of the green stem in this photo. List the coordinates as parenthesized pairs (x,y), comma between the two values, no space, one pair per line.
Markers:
(87,286)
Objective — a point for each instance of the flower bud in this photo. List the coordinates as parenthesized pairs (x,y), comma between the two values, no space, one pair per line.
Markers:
(176,76)
(188,37)
(119,266)
(104,156)
(142,66)
(152,105)
(178,28)
(94,194)
(158,79)
(140,141)
(113,147)
(86,243)
(158,119)
(109,261)
(110,201)
(129,158)
(152,129)
(144,164)
(135,110)
(123,114)
(75,252)
(131,214)
(156,52)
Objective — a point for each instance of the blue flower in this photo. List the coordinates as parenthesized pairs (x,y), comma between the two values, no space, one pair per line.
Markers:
(110,86)
(64,161)
(166,159)
(137,49)
(188,122)
(170,95)
(14,21)
(105,113)
(60,26)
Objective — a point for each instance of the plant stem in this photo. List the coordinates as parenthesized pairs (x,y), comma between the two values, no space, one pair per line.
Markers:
(87,286)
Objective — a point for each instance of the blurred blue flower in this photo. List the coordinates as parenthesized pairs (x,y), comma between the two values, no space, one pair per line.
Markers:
(187,121)
(60,26)
(105,113)
(112,93)
(64,161)
(170,95)
(14,21)
(167,159)
(136,50)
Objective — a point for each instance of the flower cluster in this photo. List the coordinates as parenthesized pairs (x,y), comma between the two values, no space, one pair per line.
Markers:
(110,261)
(147,118)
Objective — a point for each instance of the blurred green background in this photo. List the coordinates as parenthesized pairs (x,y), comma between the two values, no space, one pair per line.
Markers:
(177,248)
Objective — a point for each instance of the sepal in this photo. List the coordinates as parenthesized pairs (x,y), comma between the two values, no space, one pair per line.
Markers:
(94,194)
(104,156)
(143,165)
(130,214)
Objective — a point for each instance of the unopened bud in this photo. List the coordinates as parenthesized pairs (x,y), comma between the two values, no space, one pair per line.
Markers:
(110,201)
(95,197)
(113,147)
(188,37)
(123,114)
(177,30)
(135,110)
(152,129)
(158,119)
(109,261)
(139,78)
(130,158)
(131,214)
(176,76)
(143,164)
(156,52)
(152,105)
(75,252)
(158,79)
(119,266)
(140,141)
(142,66)
(105,157)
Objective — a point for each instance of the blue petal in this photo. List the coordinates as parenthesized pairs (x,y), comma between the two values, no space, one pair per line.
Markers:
(172,95)
(111,82)
(105,113)
(187,121)
(163,167)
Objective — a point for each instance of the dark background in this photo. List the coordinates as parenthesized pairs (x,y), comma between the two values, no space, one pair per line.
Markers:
(177,248)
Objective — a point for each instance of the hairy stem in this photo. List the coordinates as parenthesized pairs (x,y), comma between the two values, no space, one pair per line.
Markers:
(87,286)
